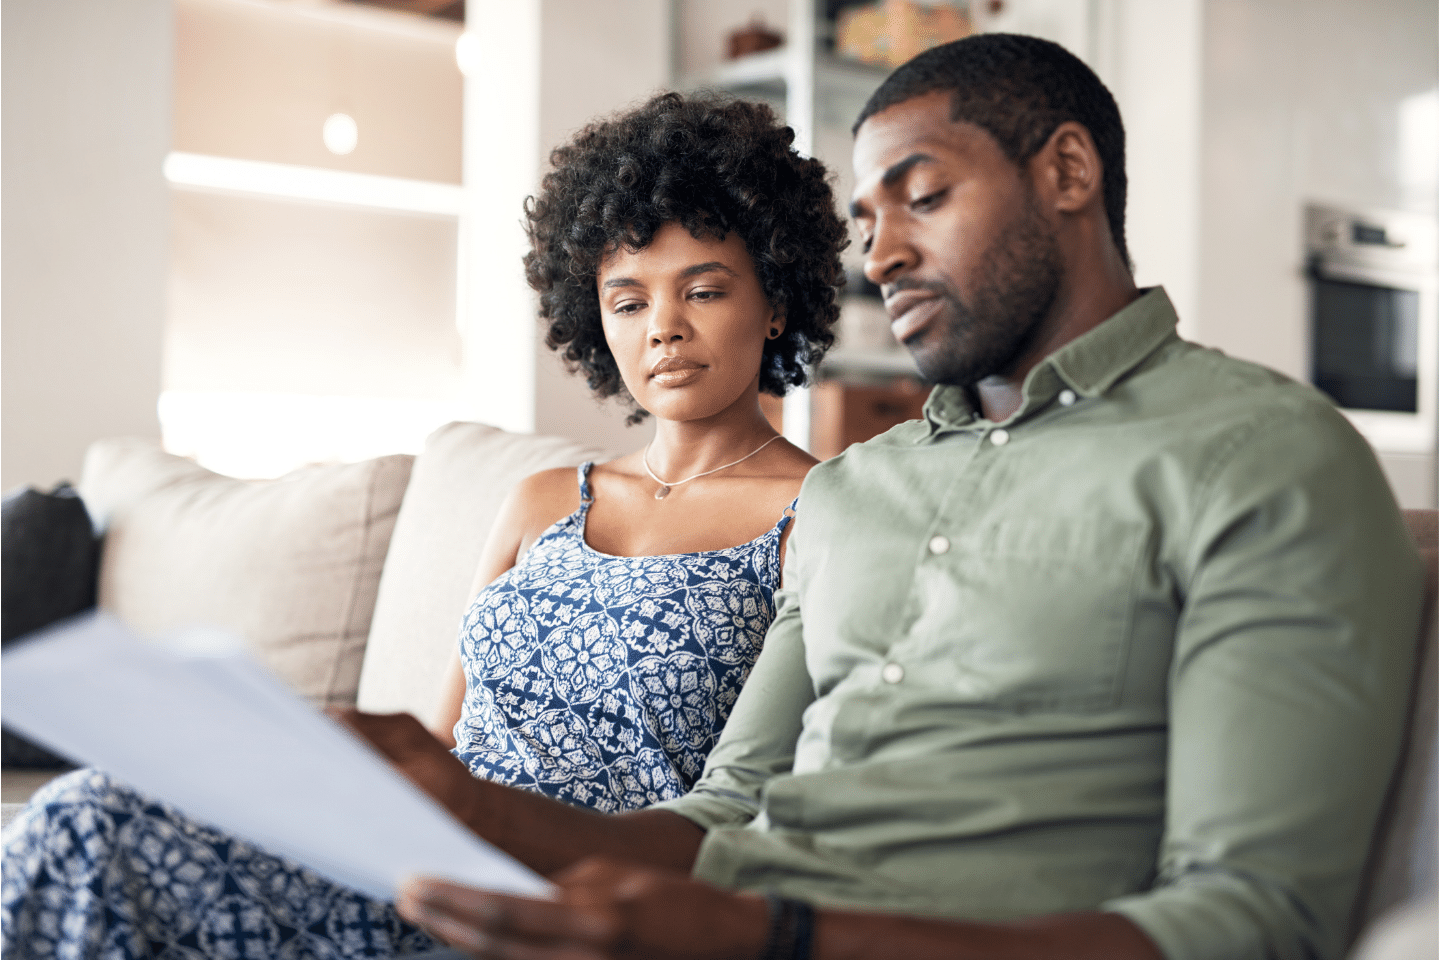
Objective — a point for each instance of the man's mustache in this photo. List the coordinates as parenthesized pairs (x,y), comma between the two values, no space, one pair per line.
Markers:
(937,287)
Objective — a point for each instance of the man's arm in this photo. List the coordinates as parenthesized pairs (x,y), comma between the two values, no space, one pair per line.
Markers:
(610,910)
(1289,681)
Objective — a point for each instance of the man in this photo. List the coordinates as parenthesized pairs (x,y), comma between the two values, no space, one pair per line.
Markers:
(1105,657)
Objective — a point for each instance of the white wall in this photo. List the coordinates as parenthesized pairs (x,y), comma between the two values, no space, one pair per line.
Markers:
(86,114)
(1302,101)
(1148,52)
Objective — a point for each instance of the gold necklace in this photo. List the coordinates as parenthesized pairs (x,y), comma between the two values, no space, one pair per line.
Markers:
(664,490)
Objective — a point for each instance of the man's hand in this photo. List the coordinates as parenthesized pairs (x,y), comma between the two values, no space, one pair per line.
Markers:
(605,910)
(414,751)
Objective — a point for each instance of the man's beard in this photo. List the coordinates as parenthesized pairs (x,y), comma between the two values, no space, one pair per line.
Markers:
(1020,278)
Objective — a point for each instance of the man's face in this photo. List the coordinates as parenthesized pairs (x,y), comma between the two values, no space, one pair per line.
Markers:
(967,264)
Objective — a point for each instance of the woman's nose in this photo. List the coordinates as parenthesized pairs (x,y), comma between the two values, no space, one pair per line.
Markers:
(890,254)
(668,323)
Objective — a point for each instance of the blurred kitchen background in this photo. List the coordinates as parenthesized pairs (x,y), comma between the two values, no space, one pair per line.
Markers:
(287,231)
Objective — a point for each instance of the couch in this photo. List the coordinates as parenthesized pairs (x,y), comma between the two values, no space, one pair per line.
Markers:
(349,582)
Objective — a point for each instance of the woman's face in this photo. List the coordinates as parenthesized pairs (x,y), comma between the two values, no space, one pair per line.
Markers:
(687,322)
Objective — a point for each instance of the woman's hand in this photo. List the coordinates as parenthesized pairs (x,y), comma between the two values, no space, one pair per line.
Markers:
(605,910)
(414,751)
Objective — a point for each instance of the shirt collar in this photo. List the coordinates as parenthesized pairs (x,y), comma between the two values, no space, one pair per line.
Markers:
(1089,365)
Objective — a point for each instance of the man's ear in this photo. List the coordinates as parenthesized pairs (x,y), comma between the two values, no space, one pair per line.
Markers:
(1068,168)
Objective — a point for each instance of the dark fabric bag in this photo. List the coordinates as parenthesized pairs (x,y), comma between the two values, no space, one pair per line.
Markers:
(49,559)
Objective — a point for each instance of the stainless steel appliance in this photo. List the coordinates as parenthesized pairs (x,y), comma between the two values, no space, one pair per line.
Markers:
(1372,304)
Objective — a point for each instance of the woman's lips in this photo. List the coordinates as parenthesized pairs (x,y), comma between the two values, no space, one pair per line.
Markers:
(675,371)
(911,311)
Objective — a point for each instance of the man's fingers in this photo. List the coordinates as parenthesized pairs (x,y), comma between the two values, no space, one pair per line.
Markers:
(479,944)
(494,915)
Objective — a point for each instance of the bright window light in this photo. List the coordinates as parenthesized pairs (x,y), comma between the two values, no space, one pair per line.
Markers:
(340,134)
(264,435)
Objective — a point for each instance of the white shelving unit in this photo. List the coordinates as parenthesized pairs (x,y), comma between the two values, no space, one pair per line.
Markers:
(809,86)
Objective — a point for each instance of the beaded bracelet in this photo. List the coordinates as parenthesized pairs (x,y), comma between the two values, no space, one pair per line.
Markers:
(792,929)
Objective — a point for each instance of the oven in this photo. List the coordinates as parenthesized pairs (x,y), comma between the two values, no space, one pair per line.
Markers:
(1372,309)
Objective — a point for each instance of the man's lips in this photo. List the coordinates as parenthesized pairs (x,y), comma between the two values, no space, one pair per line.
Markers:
(674,371)
(910,310)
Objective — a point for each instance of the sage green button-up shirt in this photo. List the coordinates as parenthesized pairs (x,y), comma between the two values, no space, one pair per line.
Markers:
(1144,646)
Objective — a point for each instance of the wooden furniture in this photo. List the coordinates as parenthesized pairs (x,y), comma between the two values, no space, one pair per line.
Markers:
(844,412)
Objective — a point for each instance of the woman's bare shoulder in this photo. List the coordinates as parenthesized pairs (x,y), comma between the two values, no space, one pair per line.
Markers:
(544,497)
(551,482)
(792,464)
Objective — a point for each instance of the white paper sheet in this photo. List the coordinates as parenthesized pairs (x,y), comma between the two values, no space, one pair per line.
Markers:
(202,727)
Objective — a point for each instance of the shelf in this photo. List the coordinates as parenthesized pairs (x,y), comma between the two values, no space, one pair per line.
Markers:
(766,72)
(283,181)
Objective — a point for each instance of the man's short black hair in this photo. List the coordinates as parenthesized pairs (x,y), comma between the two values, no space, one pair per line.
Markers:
(1019,89)
(715,164)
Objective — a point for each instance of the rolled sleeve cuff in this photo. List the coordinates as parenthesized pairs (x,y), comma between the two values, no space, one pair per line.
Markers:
(710,808)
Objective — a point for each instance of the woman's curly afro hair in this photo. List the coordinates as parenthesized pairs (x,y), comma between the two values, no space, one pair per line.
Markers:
(716,165)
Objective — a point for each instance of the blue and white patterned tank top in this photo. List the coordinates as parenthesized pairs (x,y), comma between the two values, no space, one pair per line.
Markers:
(605,681)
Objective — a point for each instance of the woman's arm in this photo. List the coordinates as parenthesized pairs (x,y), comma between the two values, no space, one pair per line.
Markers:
(532,505)
(452,700)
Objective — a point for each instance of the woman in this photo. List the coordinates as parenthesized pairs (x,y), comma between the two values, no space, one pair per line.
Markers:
(686,259)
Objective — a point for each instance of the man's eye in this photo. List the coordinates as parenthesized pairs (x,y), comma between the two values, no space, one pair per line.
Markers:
(928,202)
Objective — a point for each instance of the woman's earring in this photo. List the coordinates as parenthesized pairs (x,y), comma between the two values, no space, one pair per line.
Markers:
(774,332)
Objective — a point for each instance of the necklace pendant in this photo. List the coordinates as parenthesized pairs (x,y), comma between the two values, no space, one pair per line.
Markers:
(662,493)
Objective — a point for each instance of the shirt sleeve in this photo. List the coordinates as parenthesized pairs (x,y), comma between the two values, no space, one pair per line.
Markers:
(1288,692)
(759,739)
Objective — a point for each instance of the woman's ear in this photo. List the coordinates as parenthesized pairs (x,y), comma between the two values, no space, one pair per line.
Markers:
(777,325)
(1070,168)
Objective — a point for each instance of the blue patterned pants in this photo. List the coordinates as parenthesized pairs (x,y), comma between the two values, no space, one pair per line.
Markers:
(94,869)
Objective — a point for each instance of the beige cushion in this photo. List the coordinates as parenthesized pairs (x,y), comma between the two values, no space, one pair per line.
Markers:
(459,482)
(291,565)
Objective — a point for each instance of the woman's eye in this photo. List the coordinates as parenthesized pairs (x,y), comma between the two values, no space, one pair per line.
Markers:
(704,294)
(866,243)
(627,308)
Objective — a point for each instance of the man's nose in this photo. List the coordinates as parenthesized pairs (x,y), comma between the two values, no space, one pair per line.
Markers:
(890,254)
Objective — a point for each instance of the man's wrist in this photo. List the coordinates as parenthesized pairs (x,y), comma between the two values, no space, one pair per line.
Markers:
(792,929)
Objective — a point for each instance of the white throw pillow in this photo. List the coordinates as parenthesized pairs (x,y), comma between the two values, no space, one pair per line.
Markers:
(460,479)
(291,565)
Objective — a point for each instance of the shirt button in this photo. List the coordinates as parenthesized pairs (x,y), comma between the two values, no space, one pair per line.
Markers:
(939,544)
(1067,398)
(1000,437)
(892,673)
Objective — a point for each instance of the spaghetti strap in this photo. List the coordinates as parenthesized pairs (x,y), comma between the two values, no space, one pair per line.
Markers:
(582,474)
(787,515)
